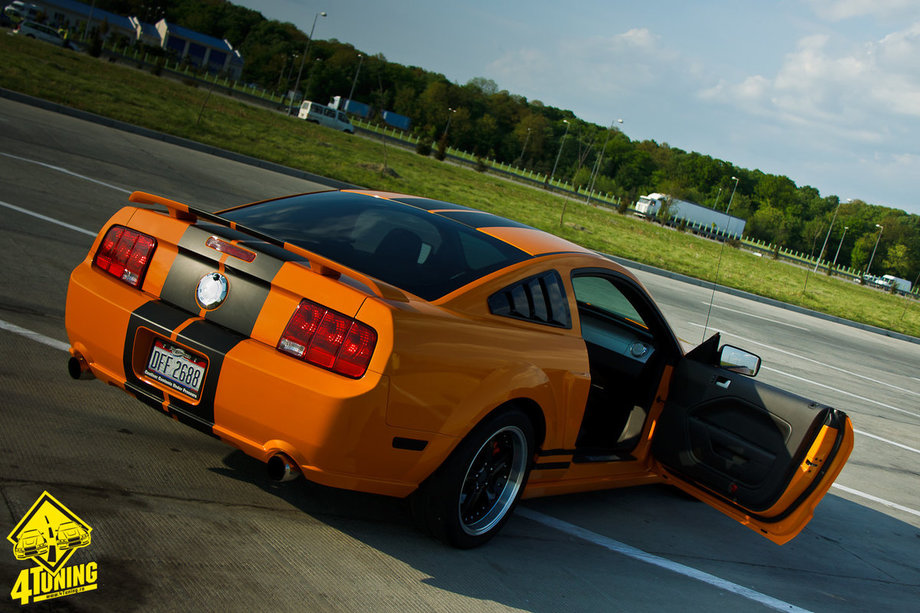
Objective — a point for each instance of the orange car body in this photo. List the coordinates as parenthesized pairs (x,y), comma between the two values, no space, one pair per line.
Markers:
(439,367)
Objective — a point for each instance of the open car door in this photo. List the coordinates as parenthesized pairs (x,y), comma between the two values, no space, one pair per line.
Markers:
(761,455)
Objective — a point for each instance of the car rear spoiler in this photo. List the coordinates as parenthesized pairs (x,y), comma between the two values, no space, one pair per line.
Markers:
(319,264)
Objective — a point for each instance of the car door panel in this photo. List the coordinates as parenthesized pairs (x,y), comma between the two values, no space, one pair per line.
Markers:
(763,453)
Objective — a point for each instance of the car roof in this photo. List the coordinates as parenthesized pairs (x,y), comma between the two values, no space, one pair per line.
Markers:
(526,238)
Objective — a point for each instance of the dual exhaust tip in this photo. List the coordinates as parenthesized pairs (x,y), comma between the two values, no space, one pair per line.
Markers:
(280,467)
(77,368)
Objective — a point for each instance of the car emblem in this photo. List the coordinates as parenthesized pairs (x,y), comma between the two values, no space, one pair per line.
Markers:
(212,290)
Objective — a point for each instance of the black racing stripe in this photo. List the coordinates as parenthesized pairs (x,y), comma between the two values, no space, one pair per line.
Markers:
(552,452)
(480,219)
(160,318)
(246,295)
(432,205)
(213,342)
(244,302)
(551,465)
(202,337)
(184,275)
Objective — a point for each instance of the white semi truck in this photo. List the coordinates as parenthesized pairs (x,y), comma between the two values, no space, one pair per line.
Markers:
(704,218)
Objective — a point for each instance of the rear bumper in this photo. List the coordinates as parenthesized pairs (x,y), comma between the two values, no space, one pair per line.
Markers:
(253,397)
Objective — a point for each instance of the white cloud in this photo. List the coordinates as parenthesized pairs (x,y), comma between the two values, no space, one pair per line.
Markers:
(837,10)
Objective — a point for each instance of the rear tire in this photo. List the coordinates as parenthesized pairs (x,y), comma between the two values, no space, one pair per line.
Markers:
(468,500)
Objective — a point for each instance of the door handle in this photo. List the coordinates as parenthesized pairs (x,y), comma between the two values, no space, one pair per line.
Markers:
(723,382)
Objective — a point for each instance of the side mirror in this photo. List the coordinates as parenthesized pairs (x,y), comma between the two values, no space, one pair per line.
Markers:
(739,361)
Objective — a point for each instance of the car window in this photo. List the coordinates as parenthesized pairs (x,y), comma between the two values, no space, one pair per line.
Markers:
(426,254)
(601,294)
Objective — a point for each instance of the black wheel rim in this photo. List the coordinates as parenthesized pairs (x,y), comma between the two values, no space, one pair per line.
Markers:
(493,480)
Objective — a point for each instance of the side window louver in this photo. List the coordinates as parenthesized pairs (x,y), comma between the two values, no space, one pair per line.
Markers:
(538,299)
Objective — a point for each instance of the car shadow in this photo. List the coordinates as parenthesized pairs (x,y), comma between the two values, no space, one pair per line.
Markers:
(849,557)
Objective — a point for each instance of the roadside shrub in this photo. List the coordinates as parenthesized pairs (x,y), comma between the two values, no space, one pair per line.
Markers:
(441,152)
(95,44)
(481,165)
(423,147)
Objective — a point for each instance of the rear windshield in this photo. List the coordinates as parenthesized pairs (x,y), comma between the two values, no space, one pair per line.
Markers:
(406,246)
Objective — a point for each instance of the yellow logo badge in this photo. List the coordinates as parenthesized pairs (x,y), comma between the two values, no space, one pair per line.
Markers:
(49,534)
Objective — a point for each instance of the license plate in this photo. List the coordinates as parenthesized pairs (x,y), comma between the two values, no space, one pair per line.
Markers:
(176,368)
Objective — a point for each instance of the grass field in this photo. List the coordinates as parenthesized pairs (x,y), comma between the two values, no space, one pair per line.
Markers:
(138,97)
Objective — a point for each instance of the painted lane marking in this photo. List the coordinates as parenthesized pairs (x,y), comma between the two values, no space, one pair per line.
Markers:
(775,321)
(885,440)
(643,556)
(35,336)
(840,391)
(66,172)
(881,501)
(813,361)
(48,219)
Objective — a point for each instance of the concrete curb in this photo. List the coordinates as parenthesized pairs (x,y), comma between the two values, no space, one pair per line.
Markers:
(293,172)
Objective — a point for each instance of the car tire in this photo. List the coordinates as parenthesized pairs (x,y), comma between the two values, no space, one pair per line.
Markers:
(468,500)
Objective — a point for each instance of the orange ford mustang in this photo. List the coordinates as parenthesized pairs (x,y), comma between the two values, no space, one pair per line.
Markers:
(410,347)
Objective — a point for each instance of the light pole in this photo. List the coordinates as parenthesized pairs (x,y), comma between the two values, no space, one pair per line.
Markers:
(600,157)
(839,245)
(827,236)
(881,229)
(524,148)
(556,163)
(719,265)
(450,114)
(354,81)
(728,208)
(304,57)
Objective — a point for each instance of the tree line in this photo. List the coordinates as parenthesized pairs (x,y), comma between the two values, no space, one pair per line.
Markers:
(489,122)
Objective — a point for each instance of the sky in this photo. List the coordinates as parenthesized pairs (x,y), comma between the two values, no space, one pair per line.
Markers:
(826,92)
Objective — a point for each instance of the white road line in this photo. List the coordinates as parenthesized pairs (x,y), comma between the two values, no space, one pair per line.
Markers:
(881,501)
(67,172)
(35,336)
(648,558)
(813,361)
(48,219)
(775,321)
(840,391)
(885,440)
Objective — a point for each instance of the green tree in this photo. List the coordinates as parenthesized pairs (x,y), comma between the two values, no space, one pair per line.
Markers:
(898,260)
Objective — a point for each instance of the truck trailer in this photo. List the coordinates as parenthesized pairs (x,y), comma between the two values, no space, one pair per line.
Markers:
(701,217)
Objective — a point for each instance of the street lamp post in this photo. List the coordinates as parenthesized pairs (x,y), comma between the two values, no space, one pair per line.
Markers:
(719,265)
(826,237)
(450,114)
(524,148)
(556,163)
(600,157)
(728,208)
(839,245)
(304,57)
(354,81)
(881,229)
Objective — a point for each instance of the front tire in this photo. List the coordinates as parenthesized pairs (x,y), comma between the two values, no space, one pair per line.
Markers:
(468,500)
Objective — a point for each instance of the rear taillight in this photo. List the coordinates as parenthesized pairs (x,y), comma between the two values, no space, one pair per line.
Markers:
(125,254)
(328,339)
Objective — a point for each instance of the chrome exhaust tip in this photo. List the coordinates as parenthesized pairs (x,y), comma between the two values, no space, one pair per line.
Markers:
(79,369)
(281,468)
